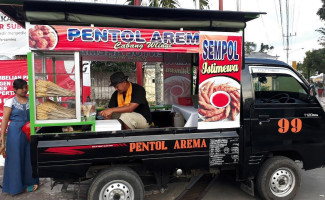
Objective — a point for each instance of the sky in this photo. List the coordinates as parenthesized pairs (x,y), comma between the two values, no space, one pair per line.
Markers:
(303,21)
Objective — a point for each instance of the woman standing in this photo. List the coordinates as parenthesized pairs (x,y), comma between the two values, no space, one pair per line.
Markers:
(18,170)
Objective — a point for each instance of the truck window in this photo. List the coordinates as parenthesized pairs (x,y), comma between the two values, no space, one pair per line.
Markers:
(278,88)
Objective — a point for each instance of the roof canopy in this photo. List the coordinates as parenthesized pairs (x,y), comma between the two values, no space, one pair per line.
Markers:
(85,14)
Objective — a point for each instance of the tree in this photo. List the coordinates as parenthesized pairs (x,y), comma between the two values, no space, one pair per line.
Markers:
(110,66)
(321,14)
(249,47)
(321,11)
(265,48)
(204,4)
(321,40)
(157,3)
(314,63)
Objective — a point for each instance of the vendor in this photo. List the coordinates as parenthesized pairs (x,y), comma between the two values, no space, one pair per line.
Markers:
(128,103)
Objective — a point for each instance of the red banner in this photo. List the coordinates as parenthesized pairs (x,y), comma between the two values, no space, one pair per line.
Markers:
(177,77)
(10,70)
(44,37)
(219,90)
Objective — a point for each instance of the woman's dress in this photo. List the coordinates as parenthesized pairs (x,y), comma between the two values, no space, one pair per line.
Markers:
(18,170)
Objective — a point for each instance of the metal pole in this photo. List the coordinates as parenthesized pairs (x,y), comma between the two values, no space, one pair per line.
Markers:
(139,64)
(287,9)
(238,5)
(220,4)
(197,4)
(137,2)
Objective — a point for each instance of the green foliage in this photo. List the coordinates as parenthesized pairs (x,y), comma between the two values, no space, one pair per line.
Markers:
(249,47)
(321,40)
(321,11)
(313,62)
(265,48)
(157,3)
(164,3)
(101,66)
(321,14)
(204,4)
(319,84)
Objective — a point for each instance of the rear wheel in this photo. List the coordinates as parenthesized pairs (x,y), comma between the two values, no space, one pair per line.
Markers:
(279,178)
(116,184)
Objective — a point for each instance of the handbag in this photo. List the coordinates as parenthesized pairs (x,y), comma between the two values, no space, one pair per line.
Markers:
(26,130)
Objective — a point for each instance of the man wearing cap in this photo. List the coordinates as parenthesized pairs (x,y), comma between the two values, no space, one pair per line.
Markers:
(128,103)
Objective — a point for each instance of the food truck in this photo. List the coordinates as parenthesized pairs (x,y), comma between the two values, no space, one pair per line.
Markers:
(254,116)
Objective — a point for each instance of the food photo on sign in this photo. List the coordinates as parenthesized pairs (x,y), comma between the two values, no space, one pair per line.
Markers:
(177,77)
(219,99)
(219,80)
(42,37)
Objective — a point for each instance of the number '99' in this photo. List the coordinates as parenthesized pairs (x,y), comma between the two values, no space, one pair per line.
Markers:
(284,125)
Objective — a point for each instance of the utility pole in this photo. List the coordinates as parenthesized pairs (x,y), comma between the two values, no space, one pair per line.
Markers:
(139,64)
(288,34)
(197,4)
(238,5)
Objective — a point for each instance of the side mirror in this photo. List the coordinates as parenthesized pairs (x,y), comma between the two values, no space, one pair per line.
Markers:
(312,91)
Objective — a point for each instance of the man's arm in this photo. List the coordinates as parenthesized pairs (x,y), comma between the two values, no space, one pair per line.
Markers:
(107,113)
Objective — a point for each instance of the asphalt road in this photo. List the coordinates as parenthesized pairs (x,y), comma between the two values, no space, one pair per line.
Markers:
(312,187)
(224,188)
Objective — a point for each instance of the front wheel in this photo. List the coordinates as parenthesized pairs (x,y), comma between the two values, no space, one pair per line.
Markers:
(116,184)
(278,179)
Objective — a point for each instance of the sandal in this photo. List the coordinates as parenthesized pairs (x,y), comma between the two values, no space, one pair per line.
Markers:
(31,188)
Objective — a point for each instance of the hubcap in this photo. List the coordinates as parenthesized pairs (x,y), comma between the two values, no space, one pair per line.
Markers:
(117,190)
(282,182)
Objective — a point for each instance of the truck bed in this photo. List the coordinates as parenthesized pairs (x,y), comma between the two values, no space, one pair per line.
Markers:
(61,155)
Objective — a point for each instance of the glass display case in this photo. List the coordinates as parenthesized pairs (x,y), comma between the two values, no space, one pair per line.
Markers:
(55,94)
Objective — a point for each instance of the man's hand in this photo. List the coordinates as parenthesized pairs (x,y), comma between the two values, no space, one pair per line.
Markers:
(107,113)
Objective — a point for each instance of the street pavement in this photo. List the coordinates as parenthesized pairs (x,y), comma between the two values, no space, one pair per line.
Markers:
(225,187)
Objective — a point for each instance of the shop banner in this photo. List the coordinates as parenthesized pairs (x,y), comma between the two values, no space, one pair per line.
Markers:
(122,56)
(220,60)
(76,38)
(177,77)
(13,40)
(10,70)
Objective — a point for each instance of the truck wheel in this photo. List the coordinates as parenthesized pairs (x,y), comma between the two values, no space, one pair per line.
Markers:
(278,178)
(116,184)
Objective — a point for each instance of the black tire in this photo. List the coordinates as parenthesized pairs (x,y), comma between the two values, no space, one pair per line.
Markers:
(120,181)
(279,178)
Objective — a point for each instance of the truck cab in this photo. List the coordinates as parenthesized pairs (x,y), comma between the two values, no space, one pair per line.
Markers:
(282,117)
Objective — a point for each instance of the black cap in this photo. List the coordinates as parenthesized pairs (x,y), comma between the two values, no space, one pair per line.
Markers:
(117,77)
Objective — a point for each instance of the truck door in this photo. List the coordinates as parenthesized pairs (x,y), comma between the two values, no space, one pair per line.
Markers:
(283,116)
